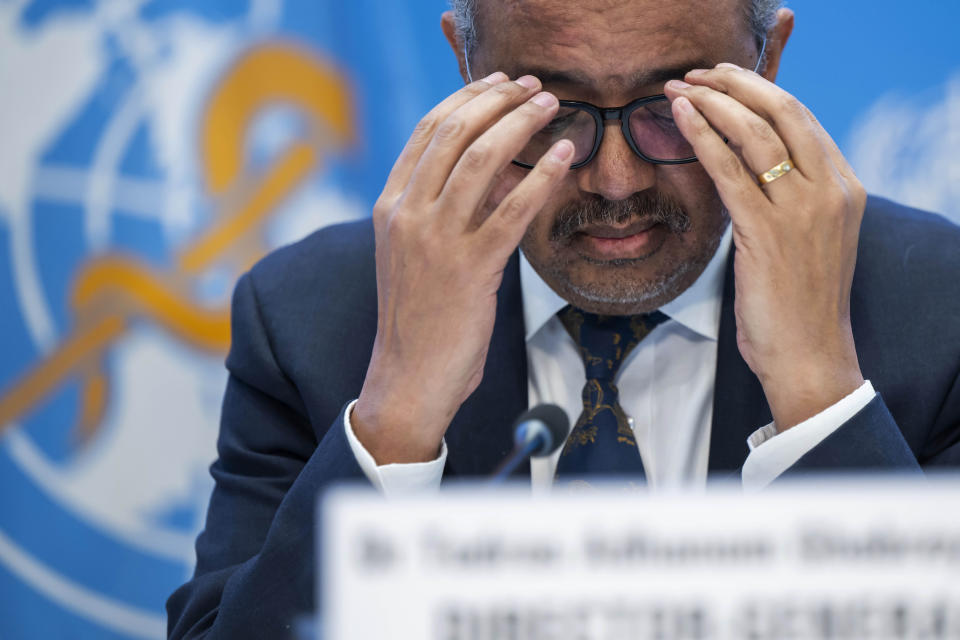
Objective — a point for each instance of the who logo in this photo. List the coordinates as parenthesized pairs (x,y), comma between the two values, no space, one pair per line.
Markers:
(150,154)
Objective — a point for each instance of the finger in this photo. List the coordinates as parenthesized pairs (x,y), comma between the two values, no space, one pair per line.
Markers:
(736,185)
(502,231)
(459,129)
(476,169)
(820,159)
(839,160)
(752,136)
(803,137)
(817,154)
(424,131)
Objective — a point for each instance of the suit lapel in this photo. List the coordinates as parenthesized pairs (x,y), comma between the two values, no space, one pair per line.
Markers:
(739,406)
(481,433)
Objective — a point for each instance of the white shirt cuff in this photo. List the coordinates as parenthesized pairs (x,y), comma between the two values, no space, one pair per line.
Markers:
(395,479)
(771,453)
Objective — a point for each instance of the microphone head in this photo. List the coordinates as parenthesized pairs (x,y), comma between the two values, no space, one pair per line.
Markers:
(546,421)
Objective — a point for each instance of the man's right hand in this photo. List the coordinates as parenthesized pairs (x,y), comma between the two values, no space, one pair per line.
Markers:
(441,253)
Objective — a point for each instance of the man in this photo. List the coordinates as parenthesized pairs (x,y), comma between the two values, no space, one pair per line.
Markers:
(713,240)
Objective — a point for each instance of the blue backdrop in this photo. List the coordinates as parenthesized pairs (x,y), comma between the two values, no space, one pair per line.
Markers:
(151,150)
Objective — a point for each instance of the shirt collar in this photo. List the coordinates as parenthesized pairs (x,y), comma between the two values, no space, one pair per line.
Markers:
(697,308)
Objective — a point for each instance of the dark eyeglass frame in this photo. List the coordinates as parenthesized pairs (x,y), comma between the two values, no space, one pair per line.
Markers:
(601,116)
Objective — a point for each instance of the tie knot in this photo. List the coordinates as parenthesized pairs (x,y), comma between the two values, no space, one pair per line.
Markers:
(605,341)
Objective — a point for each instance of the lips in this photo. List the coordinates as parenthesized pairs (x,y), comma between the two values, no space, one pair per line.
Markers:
(637,240)
(617,232)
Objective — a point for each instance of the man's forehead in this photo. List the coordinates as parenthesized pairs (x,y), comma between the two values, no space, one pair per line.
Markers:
(608,42)
(617,15)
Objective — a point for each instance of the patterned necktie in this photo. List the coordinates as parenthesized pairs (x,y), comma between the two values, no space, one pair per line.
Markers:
(602,441)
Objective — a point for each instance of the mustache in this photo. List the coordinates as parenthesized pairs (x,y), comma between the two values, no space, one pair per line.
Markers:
(596,210)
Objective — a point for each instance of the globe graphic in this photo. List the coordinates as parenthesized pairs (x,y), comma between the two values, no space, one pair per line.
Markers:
(116,176)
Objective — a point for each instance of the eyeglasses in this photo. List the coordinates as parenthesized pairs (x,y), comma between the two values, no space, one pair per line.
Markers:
(647,125)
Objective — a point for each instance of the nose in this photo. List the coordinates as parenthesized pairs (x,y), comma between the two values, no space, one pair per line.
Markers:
(616,172)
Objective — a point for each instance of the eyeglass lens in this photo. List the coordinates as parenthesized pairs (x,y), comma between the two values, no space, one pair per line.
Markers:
(651,126)
(574,124)
(656,134)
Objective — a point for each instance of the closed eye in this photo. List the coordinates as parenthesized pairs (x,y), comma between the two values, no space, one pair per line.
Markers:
(659,118)
(560,123)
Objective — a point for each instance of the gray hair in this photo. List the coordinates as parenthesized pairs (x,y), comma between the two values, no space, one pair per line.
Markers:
(761,14)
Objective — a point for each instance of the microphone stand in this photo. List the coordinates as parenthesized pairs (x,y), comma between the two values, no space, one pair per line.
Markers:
(513,461)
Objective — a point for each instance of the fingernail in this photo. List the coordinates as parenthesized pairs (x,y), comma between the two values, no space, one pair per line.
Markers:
(544,99)
(561,151)
(677,84)
(495,77)
(696,72)
(684,105)
(727,65)
(529,82)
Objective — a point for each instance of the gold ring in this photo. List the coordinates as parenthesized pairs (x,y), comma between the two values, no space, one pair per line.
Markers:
(778,171)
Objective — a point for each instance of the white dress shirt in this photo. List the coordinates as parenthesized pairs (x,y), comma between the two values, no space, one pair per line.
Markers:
(666,389)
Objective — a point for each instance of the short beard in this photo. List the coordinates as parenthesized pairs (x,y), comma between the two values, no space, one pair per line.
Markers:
(619,289)
(662,288)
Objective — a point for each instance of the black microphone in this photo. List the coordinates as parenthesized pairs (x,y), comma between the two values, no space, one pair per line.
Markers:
(537,432)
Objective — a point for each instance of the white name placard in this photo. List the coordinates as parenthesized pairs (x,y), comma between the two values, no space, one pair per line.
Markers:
(833,559)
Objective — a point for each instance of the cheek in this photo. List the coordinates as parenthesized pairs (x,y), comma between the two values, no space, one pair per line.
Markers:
(560,196)
(694,189)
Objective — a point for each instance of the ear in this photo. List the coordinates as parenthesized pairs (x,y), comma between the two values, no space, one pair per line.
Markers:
(449,27)
(776,40)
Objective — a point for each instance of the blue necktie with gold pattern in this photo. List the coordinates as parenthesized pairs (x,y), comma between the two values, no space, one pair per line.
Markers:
(602,441)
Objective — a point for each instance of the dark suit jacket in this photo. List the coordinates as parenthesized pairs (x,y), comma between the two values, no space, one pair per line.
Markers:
(304,321)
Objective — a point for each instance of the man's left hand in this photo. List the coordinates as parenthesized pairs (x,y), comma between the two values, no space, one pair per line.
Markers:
(796,237)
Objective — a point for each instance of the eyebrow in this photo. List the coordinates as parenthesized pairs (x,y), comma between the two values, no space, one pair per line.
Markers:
(638,79)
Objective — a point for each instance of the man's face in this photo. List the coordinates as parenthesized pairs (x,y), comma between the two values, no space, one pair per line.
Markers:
(620,235)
